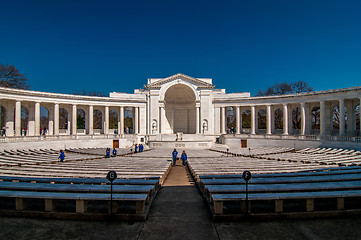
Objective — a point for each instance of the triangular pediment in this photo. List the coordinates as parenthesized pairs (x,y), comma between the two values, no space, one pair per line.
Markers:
(199,82)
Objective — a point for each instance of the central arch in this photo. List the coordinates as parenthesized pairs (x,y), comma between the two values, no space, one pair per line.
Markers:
(180,109)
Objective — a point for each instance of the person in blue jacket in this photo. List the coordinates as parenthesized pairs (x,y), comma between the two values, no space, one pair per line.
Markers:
(61,156)
(107,153)
(184,158)
(174,157)
(114,152)
(136,148)
(141,147)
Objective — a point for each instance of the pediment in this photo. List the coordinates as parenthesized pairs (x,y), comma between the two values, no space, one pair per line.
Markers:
(199,82)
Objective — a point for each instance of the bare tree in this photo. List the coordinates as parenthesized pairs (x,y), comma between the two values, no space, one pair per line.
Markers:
(285,88)
(282,88)
(301,86)
(12,78)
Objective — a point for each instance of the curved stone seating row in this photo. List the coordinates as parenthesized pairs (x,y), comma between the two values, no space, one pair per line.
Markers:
(80,185)
(99,151)
(328,151)
(325,156)
(83,165)
(22,196)
(322,192)
(92,181)
(36,157)
(247,152)
(236,165)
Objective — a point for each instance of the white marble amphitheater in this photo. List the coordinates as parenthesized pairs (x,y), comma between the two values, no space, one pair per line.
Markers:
(180,111)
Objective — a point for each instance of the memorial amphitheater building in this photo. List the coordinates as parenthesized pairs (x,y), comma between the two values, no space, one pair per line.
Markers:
(179,111)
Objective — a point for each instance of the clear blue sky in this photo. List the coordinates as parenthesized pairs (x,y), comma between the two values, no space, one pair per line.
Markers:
(67,46)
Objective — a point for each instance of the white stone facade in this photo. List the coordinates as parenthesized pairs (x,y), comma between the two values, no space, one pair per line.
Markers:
(182,106)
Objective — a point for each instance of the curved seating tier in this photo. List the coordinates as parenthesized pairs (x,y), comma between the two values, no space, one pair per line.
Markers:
(290,188)
(35,183)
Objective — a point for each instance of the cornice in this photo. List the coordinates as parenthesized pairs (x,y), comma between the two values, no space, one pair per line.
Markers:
(199,83)
(29,95)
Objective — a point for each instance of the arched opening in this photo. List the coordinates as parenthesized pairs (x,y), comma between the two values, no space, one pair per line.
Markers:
(24,120)
(113,121)
(63,120)
(231,119)
(180,109)
(3,121)
(44,120)
(128,120)
(278,119)
(261,119)
(336,119)
(246,121)
(315,118)
(97,121)
(80,119)
(296,119)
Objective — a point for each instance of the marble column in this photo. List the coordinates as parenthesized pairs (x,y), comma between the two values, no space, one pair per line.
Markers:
(342,117)
(162,119)
(136,120)
(303,118)
(56,119)
(91,120)
(37,119)
(51,120)
(74,122)
(106,120)
(18,118)
(197,119)
(253,120)
(121,120)
(238,120)
(285,119)
(269,120)
(322,118)
(10,124)
(223,120)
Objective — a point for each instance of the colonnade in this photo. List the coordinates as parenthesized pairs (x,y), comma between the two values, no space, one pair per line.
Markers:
(346,121)
(14,111)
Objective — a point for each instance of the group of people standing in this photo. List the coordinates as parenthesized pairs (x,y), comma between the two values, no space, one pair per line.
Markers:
(107,153)
(138,148)
(183,157)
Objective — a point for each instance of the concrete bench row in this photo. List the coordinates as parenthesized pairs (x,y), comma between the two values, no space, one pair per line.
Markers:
(126,167)
(234,165)
(252,151)
(328,151)
(325,192)
(131,200)
(324,159)
(93,181)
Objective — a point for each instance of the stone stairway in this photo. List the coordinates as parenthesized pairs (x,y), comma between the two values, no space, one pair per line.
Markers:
(179,211)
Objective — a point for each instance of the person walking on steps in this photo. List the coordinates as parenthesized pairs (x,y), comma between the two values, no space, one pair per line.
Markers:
(61,156)
(174,157)
(136,148)
(184,158)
